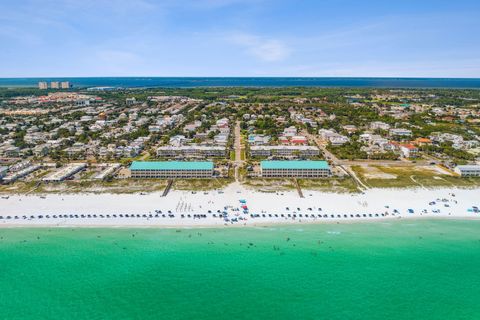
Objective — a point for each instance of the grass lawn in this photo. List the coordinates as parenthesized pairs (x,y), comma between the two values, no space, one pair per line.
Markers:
(329,185)
(446,180)
(326,185)
(17,187)
(88,174)
(405,177)
(86,186)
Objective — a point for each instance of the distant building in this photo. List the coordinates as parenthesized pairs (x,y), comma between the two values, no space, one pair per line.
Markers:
(399,132)
(130,101)
(373,139)
(295,169)
(446,137)
(409,150)
(350,128)
(468,170)
(42,85)
(299,140)
(154,128)
(379,125)
(76,150)
(55,85)
(290,131)
(222,123)
(191,127)
(194,151)
(172,169)
(177,141)
(258,139)
(284,139)
(422,141)
(221,139)
(40,150)
(3,172)
(284,151)
(338,140)
(83,102)
(10,151)
(65,85)
(333,137)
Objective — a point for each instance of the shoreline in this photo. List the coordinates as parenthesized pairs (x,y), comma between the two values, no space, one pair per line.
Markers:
(259,225)
(235,206)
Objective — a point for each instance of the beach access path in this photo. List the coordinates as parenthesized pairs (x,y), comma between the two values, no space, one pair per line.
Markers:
(238,150)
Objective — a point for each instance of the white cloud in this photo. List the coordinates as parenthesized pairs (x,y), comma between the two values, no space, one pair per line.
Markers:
(265,49)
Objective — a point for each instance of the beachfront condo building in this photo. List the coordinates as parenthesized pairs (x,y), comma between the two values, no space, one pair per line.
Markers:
(295,169)
(55,85)
(65,172)
(172,169)
(468,170)
(42,85)
(22,172)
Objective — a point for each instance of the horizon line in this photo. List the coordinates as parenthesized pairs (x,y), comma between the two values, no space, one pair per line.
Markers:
(246,77)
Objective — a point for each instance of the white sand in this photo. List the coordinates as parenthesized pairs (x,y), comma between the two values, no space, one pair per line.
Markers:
(372,202)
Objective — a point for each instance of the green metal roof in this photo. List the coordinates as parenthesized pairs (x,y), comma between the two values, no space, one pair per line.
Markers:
(306,164)
(171,165)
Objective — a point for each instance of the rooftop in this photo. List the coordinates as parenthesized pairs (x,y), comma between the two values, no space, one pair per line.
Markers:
(271,147)
(190,147)
(306,164)
(171,165)
(408,146)
(469,167)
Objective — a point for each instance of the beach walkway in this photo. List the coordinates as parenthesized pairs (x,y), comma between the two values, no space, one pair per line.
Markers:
(297,186)
(168,187)
(238,151)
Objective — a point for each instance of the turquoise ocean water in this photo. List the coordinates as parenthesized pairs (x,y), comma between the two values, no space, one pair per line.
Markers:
(399,270)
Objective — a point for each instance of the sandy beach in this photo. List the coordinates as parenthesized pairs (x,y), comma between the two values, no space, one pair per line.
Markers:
(187,208)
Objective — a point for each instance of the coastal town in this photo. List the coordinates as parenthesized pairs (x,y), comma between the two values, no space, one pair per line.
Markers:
(239,159)
(61,139)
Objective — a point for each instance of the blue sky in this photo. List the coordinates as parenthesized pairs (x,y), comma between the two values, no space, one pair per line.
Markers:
(416,38)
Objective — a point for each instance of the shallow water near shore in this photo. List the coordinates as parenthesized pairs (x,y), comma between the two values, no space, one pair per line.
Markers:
(425,269)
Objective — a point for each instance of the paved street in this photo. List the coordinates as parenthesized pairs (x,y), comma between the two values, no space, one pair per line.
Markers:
(238,150)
